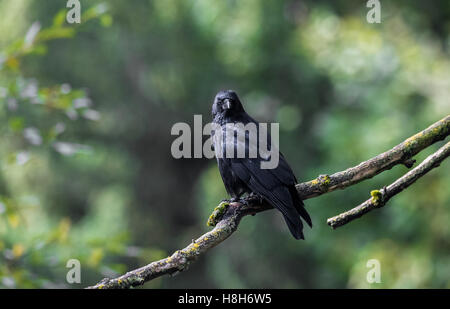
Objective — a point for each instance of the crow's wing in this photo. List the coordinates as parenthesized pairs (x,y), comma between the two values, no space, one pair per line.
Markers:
(276,185)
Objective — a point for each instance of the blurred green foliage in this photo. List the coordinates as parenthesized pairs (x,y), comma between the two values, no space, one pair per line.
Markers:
(86,111)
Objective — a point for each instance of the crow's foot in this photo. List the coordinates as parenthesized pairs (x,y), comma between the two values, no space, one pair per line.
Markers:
(258,197)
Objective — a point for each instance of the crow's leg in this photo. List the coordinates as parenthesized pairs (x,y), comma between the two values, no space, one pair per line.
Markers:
(258,197)
(238,200)
(233,199)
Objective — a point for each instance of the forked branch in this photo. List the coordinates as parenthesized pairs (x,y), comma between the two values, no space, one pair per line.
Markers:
(382,196)
(226,218)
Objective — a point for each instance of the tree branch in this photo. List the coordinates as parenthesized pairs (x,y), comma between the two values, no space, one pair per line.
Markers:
(180,260)
(226,218)
(382,196)
(400,154)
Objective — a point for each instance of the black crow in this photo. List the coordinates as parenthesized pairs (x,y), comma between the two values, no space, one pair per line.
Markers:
(243,174)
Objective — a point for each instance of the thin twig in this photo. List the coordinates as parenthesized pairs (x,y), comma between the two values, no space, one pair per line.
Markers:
(382,196)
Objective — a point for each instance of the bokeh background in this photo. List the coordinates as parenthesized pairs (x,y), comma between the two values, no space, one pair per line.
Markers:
(86,111)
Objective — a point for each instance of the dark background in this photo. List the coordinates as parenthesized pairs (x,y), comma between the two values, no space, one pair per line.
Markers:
(86,112)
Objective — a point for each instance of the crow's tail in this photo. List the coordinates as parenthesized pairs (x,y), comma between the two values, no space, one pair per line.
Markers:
(300,207)
(295,226)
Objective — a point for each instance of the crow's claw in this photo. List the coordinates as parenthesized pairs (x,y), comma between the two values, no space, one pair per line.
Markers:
(259,197)
(243,201)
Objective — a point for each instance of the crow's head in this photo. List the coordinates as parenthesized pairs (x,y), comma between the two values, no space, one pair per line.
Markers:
(226,104)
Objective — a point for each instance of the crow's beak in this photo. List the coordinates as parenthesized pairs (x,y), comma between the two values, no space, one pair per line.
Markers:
(226,104)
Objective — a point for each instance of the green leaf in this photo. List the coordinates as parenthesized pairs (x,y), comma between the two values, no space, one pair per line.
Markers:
(40,49)
(106,20)
(16,124)
(56,33)
(59,18)
(95,11)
